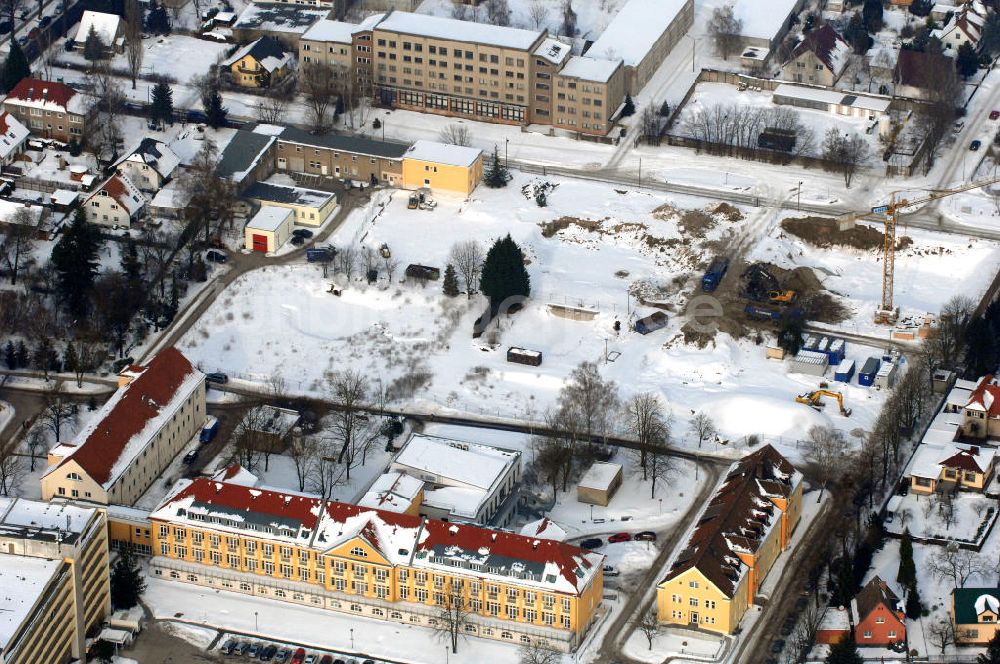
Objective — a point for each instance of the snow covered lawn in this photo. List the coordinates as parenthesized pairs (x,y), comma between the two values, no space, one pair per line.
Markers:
(673,643)
(925,516)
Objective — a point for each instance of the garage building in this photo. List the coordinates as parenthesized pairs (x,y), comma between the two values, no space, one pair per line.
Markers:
(269,228)
(311,206)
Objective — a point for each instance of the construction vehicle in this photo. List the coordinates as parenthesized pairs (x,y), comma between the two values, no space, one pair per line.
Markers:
(888,215)
(714,274)
(782,296)
(815,400)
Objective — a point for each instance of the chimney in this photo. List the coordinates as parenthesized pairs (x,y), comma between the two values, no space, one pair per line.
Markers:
(974,451)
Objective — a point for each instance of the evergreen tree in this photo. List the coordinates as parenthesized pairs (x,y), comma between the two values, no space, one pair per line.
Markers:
(629,107)
(907,574)
(75,260)
(22,355)
(541,199)
(70,359)
(214,110)
(15,67)
(503,273)
(162,106)
(132,271)
(496,175)
(871,14)
(450,285)
(44,356)
(10,355)
(93,47)
(966,62)
(992,654)
(665,109)
(158,20)
(127,584)
(857,35)
(914,608)
(844,652)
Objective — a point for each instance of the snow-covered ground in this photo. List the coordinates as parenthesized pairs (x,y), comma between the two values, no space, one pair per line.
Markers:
(925,516)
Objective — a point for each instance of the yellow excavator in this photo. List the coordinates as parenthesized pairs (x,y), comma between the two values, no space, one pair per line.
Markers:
(782,296)
(815,399)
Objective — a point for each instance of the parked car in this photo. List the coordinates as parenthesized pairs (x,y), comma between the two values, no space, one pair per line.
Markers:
(302,232)
(611,570)
(22,40)
(5,27)
(282,656)
(994,115)
(645,536)
(217,377)
(327,659)
(299,656)
(228,647)
(33,33)
(214,256)
(413,202)
(45,21)
(591,543)
(310,659)
(619,537)
(788,626)
(778,646)
(297,240)
(189,459)
(975,145)
(254,650)
(241,648)
(209,430)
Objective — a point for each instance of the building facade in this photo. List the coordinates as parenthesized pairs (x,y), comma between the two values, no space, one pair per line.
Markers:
(982,411)
(259,63)
(340,156)
(156,412)
(442,167)
(49,110)
(117,202)
(976,614)
(878,615)
(746,525)
(149,165)
(375,563)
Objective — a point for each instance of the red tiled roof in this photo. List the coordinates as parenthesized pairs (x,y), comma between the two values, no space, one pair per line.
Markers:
(986,396)
(138,403)
(964,460)
(33,89)
(823,42)
(876,592)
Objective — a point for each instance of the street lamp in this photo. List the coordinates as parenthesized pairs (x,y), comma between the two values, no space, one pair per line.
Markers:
(798,197)
(694,42)
(255,627)
(506,148)
(352,638)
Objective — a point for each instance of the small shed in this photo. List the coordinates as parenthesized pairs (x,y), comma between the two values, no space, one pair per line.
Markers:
(518,355)
(942,381)
(844,371)
(886,376)
(866,376)
(599,484)
(810,362)
(269,228)
(775,353)
(651,323)
(422,272)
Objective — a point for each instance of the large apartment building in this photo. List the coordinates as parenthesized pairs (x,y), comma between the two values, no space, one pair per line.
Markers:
(54,570)
(742,531)
(375,563)
(156,411)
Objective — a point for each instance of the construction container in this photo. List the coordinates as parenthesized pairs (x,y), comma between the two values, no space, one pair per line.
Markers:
(868,371)
(810,362)
(834,347)
(886,376)
(844,371)
(775,353)
(651,323)
(524,356)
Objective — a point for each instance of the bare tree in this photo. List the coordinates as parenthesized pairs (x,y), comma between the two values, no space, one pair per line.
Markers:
(551,456)
(345,261)
(724,29)
(702,427)
(452,614)
(134,49)
(941,633)
(10,9)
(456,134)
(468,258)
(303,451)
(109,105)
(644,418)
(828,451)
(538,652)
(326,474)
(459,10)
(56,413)
(318,85)
(845,153)
(35,443)
(497,12)
(271,108)
(11,470)
(649,625)
(48,54)
(958,565)
(539,12)
(349,424)
(250,439)
(589,399)
(662,467)
(949,337)
(389,266)
(19,243)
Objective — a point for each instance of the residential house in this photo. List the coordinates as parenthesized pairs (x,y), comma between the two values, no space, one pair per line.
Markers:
(917,73)
(259,63)
(819,58)
(975,613)
(442,167)
(155,412)
(48,109)
(938,467)
(149,165)
(981,414)
(109,28)
(965,27)
(741,532)
(375,563)
(878,616)
(13,136)
(312,206)
(54,568)
(117,202)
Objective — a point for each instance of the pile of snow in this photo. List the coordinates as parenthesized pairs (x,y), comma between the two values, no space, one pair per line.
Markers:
(744,414)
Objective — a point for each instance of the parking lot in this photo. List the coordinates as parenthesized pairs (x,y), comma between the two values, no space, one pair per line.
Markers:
(242,647)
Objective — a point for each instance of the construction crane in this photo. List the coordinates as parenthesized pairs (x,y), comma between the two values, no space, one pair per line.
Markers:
(815,399)
(888,214)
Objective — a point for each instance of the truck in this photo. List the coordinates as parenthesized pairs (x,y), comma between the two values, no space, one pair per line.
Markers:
(714,274)
(319,255)
(757,312)
(209,430)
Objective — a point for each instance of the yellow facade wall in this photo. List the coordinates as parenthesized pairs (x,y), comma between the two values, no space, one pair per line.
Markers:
(690,593)
(247,73)
(442,177)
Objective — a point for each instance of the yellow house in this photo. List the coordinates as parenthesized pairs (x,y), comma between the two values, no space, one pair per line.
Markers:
(54,570)
(375,563)
(311,206)
(936,467)
(741,533)
(137,433)
(442,167)
(976,614)
(259,63)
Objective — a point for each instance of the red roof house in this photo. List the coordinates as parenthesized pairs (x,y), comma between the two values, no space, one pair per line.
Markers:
(878,615)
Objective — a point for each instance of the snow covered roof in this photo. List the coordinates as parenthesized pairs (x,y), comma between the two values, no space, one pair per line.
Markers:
(13,134)
(443,153)
(544,528)
(454,462)
(154,153)
(236,474)
(270,218)
(127,423)
(332,31)
(293,19)
(266,192)
(553,50)
(46,95)
(969,20)
(440,27)
(970,603)
(124,191)
(832,97)
(266,51)
(590,69)
(986,603)
(827,45)
(600,476)
(929,458)
(53,521)
(392,491)
(986,396)
(343,142)
(107,26)
(23,580)
(634,30)
(763,19)
(242,153)
(401,539)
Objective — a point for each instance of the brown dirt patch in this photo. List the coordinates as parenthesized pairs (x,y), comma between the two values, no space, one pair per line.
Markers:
(550,228)
(730,212)
(823,232)
(696,223)
(666,212)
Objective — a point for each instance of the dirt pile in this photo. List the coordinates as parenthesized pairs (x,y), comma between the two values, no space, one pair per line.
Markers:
(730,212)
(823,232)
(550,228)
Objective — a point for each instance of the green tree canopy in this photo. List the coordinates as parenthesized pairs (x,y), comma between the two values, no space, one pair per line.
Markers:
(504,274)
